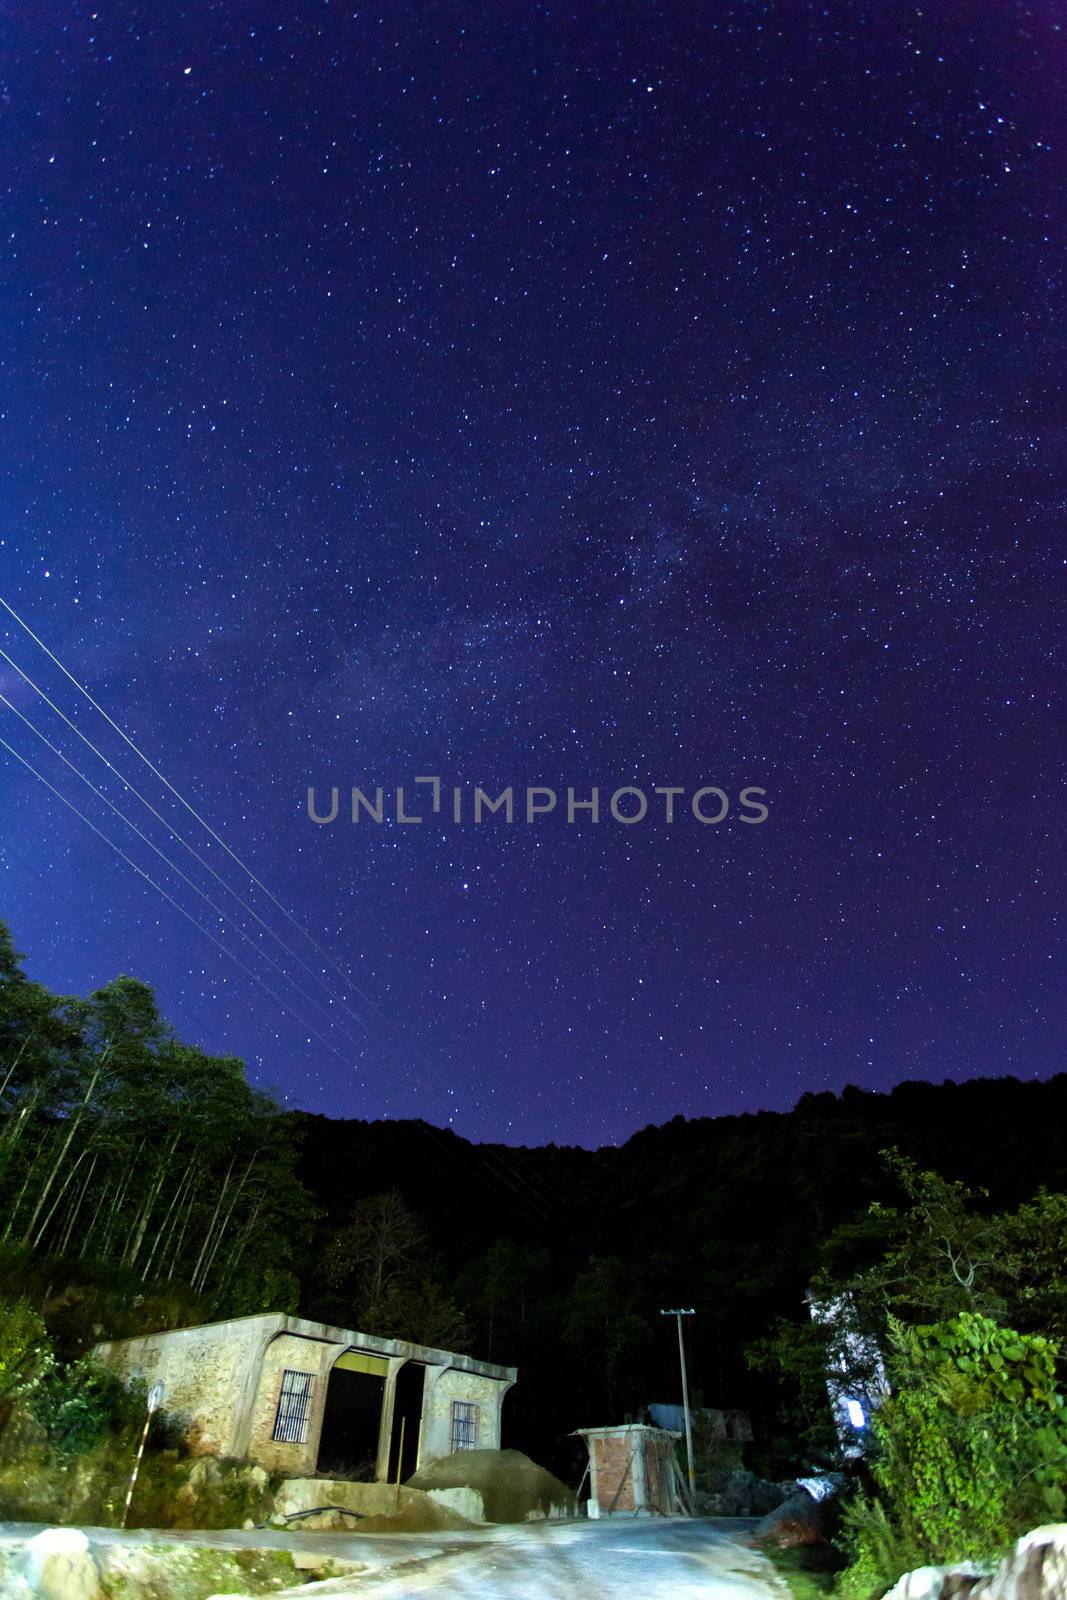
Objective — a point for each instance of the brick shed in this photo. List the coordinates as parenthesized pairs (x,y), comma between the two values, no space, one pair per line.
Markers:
(633,1471)
(301,1398)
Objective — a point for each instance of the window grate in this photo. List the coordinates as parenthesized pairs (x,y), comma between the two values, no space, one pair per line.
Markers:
(464,1425)
(294,1404)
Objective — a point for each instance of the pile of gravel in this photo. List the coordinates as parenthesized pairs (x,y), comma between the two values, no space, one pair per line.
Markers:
(513,1488)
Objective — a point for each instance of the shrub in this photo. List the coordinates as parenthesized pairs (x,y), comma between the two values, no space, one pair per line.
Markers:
(24,1351)
(970,1450)
(80,1404)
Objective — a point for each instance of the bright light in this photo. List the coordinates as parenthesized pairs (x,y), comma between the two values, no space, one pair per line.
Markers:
(856,1414)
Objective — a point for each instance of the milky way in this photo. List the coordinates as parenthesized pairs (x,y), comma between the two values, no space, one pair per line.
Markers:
(645,395)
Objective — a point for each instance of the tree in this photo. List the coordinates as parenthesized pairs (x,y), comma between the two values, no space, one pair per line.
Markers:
(381,1245)
(120,1145)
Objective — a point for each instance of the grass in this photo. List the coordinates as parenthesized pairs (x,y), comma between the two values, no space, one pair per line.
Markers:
(810,1570)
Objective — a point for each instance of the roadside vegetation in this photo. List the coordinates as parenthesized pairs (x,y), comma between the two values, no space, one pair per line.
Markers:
(968,1450)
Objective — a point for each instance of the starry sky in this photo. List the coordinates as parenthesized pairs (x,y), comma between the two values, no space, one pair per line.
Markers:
(565,395)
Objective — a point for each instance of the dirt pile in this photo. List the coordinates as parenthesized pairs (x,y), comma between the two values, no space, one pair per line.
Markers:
(417,1516)
(513,1488)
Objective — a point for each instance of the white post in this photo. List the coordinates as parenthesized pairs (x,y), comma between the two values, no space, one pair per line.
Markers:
(155,1395)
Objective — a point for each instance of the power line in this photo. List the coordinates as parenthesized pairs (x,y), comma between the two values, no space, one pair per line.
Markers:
(388,1022)
(222,915)
(170,898)
(165,780)
(180,837)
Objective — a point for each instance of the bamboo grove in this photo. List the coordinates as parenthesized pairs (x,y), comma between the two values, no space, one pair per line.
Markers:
(120,1145)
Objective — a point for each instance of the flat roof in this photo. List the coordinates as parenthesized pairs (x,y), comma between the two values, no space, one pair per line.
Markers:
(280,1322)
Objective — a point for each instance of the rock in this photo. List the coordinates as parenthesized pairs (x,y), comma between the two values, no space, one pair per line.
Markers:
(58,1564)
(1035,1570)
(466,1502)
(745,1495)
(937,1583)
(798,1520)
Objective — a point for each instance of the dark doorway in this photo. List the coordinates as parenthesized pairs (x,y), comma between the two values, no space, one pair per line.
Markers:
(351,1422)
(407,1417)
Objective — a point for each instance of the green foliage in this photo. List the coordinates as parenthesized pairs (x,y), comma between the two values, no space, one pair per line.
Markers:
(810,1570)
(998,1364)
(123,1149)
(970,1450)
(421,1312)
(26,1355)
(82,1403)
(800,1354)
(606,1331)
(178,1491)
(39,1483)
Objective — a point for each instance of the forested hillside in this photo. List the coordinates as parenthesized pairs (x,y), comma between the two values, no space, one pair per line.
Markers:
(561,1258)
(146,1184)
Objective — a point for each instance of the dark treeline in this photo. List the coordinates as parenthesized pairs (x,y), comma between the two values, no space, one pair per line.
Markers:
(561,1258)
(145,1184)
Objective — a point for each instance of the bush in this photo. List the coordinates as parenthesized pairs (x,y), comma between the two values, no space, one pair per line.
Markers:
(80,1404)
(25,1354)
(970,1451)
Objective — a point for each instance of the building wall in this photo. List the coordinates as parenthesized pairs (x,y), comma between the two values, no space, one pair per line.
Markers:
(614,1472)
(288,1352)
(222,1385)
(443,1386)
(631,1470)
(659,1495)
(207,1374)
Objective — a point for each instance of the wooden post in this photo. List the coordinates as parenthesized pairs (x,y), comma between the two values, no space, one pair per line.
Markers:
(400,1460)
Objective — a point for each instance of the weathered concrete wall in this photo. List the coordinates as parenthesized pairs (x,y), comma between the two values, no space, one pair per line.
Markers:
(371,1499)
(443,1385)
(223,1382)
(288,1351)
(207,1374)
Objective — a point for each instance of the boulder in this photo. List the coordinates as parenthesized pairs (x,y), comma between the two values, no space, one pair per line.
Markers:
(1035,1570)
(58,1564)
(798,1520)
(937,1583)
(744,1494)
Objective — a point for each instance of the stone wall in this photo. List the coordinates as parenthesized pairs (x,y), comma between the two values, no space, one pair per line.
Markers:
(288,1352)
(443,1386)
(206,1372)
(223,1381)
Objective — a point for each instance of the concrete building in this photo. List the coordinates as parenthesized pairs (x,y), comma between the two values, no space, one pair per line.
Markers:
(301,1398)
(633,1471)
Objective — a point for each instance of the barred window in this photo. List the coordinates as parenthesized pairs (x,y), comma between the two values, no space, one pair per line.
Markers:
(464,1425)
(294,1404)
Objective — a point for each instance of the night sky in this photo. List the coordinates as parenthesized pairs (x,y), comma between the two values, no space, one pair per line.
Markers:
(645,394)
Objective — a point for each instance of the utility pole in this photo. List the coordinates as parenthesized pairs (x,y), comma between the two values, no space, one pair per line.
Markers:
(678,1315)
